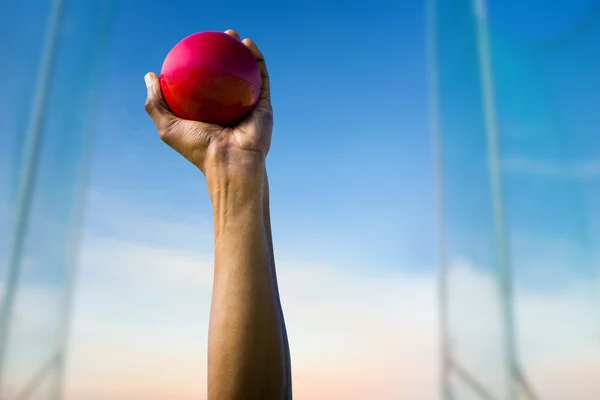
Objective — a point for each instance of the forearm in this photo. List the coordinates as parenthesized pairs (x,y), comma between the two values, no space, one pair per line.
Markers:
(286,349)
(247,345)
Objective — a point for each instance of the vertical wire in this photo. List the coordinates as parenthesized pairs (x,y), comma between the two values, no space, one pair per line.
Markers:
(78,213)
(27,179)
(491,131)
(437,149)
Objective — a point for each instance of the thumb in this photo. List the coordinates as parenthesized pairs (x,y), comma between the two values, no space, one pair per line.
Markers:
(155,105)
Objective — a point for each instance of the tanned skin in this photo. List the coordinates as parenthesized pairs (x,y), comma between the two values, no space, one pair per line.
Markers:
(248,351)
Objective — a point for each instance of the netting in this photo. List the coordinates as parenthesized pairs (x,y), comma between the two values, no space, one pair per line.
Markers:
(50,53)
(516,100)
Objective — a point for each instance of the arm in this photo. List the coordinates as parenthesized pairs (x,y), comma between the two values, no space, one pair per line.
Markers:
(267,213)
(248,353)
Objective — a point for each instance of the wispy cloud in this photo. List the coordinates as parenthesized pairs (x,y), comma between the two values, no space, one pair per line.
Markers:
(376,332)
(552,169)
(33,333)
(142,307)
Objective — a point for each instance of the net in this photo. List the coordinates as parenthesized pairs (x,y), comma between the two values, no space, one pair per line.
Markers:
(516,89)
(53,51)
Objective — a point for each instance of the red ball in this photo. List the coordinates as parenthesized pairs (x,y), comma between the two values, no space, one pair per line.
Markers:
(211,77)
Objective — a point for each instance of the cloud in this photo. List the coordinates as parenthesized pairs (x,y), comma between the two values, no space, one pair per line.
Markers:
(550,169)
(33,333)
(556,333)
(132,335)
(142,307)
(140,329)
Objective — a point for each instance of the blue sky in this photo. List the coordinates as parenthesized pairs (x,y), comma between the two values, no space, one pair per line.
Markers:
(351,165)
(352,193)
(350,162)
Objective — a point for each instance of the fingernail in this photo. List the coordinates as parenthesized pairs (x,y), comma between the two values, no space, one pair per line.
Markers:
(148,80)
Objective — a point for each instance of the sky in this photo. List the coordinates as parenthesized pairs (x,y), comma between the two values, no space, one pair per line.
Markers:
(349,124)
(351,174)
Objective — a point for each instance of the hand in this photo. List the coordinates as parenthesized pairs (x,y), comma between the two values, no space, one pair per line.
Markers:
(239,150)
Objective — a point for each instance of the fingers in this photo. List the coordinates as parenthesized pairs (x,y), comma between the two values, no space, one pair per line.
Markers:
(265,93)
(156,106)
(233,33)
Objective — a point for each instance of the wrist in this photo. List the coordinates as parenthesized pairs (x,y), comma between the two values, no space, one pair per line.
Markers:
(241,166)
(236,189)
